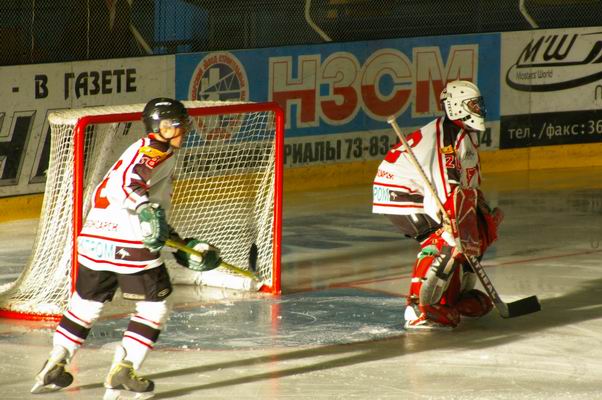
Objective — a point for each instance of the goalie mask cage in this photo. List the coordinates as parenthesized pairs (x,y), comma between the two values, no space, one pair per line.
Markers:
(227,191)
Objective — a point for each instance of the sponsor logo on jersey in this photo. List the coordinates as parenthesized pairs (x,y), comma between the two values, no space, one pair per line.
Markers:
(470,155)
(381,194)
(384,174)
(122,253)
(92,224)
(96,248)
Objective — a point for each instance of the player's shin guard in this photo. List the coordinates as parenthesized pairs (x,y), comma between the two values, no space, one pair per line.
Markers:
(143,330)
(76,322)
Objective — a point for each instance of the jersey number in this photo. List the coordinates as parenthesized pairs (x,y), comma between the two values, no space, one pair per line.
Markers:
(413,139)
(101,201)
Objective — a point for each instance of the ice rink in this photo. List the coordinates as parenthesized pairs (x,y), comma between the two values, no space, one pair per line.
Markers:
(336,331)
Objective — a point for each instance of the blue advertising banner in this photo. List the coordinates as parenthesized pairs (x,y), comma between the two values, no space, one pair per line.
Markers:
(337,88)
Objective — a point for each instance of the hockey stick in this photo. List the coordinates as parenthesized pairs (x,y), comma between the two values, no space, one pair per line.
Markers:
(176,244)
(516,308)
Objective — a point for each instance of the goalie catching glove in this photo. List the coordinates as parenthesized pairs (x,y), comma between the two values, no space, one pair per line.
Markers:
(153,224)
(210,259)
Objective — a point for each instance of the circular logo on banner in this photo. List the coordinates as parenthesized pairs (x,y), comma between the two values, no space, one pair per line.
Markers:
(219,77)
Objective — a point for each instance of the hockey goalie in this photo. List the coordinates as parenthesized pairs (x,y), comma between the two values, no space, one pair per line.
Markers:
(442,288)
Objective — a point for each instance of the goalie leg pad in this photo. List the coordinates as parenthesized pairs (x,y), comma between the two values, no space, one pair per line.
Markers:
(435,287)
(433,272)
(421,267)
(442,314)
(468,278)
(474,303)
(437,279)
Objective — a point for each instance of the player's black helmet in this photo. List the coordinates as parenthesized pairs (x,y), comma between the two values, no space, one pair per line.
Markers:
(164,108)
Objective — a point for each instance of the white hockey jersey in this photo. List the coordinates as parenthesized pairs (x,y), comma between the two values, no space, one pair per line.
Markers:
(449,157)
(111,239)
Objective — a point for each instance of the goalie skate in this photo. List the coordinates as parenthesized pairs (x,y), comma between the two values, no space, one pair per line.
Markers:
(414,319)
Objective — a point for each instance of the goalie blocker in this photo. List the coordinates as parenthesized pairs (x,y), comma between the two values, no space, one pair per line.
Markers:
(476,227)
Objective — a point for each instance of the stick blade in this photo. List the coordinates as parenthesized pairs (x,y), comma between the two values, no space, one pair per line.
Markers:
(520,307)
(253,253)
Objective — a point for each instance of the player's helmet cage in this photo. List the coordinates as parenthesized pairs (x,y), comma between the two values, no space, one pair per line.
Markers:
(164,112)
(462,101)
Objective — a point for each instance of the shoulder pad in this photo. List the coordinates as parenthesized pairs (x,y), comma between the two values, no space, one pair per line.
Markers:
(153,152)
(152,156)
(447,149)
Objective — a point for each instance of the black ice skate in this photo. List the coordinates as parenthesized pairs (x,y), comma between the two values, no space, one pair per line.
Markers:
(123,383)
(53,376)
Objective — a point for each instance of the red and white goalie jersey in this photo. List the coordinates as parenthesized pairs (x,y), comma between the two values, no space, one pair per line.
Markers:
(449,157)
(111,239)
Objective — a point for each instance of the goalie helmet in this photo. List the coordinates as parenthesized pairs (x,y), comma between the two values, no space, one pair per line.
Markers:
(164,111)
(462,101)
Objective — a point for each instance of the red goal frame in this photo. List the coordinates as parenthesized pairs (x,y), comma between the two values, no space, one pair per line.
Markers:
(78,185)
(78,173)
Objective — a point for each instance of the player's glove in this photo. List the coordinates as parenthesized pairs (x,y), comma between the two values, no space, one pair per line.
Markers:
(153,224)
(210,260)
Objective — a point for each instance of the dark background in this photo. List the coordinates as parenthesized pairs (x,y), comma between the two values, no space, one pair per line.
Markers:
(41,31)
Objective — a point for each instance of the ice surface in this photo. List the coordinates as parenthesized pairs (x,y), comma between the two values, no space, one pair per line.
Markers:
(335,333)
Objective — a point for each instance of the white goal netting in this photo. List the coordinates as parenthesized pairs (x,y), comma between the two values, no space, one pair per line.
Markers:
(226,191)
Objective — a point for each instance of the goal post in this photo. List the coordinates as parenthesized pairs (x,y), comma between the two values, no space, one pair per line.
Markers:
(227,191)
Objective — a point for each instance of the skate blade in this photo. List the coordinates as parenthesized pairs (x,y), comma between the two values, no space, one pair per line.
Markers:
(115,394)
(39,388)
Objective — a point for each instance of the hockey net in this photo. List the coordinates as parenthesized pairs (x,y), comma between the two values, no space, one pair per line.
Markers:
(227,191)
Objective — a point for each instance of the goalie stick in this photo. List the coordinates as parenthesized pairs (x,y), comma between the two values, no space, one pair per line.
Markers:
(516,308)
(175,244)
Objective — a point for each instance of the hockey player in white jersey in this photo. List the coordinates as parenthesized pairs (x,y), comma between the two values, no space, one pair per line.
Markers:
(120,247)
(442,286)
